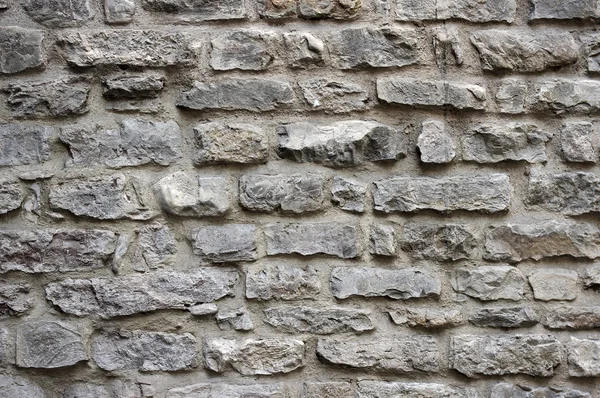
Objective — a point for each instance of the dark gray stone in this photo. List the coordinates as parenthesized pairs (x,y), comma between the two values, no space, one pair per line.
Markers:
(334,95)
(282,283)
(583,357)
(504,317)
(16,386)
(222,390)
(435,145)
(225,243)
(382,240)
(572,318)
(570,193)
(505,390)
(572,9)
(591,43)
(217,143)
(119,11)
(427,317)
(24,144)
(59,13)
(244,50)
(236,319)
(303,49)
(568,96)
(554,284)
(318,321)
(197,11)
(449,242)
(133,86)
(334,9)
(20,49)
(14,299)
(490,282)
(382,389)
(348,195)
(11,196)
(576,142)
(510,96)
(469,10)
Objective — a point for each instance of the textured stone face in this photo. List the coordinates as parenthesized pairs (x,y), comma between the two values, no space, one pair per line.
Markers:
(488,194)
(266,390)
(254,356)
(348,195)
(14,300)
(380,389)
(382,240)
(225,243)
(236,319)
(592,48)
(156,248)
(15,386)
(375,282)
(59,13)
(217,142)
(11,196)
(84,390)
(572,318)
(133,86)
(576,142)
(22,144)
(134,294)
(490,282)
(591,277)
(510,96)
(328,389)
(119,11)
(243,50)
(439,242)
(488,11)
(551,9)
(554,284)
(318,321)
(427,317)
(435,145)
(568,96)
(336,9)
(504,317)
(282,283)
(583,357)
(401,355)
(336,96)
(199,10)
(534,355)
(505,390)
(145,351)
(20,49)
(569,193)
(303,49)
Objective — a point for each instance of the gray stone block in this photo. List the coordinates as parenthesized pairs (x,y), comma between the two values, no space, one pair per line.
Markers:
(20,49)
(222,143)
(225,243)
(488,283)
(449,242)
(15,299)
(282,283)
(348,195)
(312,320)
(334,95)
(382,389)
(24,144)
(244,50)
(59,13)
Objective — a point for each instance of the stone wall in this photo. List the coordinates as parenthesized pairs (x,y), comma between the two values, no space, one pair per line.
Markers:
(299,198)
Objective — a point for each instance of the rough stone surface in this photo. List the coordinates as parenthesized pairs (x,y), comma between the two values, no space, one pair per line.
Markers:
(591,42)
(336,9)
(583,357)
(576,142)
(382,240)
(217,143)
(86,390)
(591,277)
(401,355)
(449,242)
(447,46)
(20,49)
(381,389)
(145,351)
(348,195)
(489,11)
(318,321)
(16,386)
(375,282)
(198,11)
(554,284)
(568,96)
(575,9)
(328,389)
(156,248)
(14,299)
(334,95)
(282,283)
(572,318)
(59,13)
(203,309)
(569,193)
(254,356)
(133,86)
(22,144)
(490,282)
(534,355)
(427,317)
(119,11)
(225,243)
(214,390)
(134,294)
(505,390)
(488,194)
(236,319)
(243,50)
(435,145)
(11,196)
(504,317)
(510,96)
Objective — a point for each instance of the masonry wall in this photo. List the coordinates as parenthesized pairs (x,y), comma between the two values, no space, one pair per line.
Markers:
(299,198)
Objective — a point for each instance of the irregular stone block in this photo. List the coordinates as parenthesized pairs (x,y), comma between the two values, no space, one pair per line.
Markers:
(514,141)
(15,386)
(435,145)
(203,309)
(401,355)
(303,49)
(504,317)
(251,94)
(568,96)
(270,390)
(236,319)
(49,345)
(217,143)
(277,8)
(542,239)
(143,106)
(110,197)
(336,96)
(505,390)
(427,317)
(572,318)
(429,93)
(59,13)
(591,43)
(583,355)
(156,247)
(3,349)
(225,243)
(576,142)
(336,9)
(87,390)
(20,49)
(534,354)
(183,195)
(63,96)
(11,196)
(149,48)
(14,300)
(554,284)
(254,356)
(145,351)
(532,51)
(282,283)
(591,277)
(375,282)
(469,10)
(487,194)
(382,239)
(24,144)
(50,250)
(244,50)
(328,389)
(119,11)
(449,242)
(136,142)
(446,45)
(335,239)
(318,321)
(382,389)
(575,9)
(348,195)
(569,193)
(199,11)
(373,47)
(133,86)
(341,144)
(490,282)
(510,96)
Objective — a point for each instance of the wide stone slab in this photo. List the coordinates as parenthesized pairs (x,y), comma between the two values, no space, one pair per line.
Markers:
(573,9)
(133,86)
(449,242)
(225,243)
(20,49)
(383,389)
(568,96)
(334,95)
(582,355)
(504,317)
(199,10)
(22,144)
(318,321)
(16,386)
(221,143)
(244,50)
(435,318)
(59,13)
(469,10)
(222,390)
(506,390)
(488,283)
(572,317)
(282,282)
(571,193)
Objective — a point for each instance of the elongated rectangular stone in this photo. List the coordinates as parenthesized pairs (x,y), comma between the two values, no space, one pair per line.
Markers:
(11,195)
(469,10)
(504,317)
(568,96)
(204,10)
(506,390)
(134,294)
(334,95)
(217,143)
(449,242)
(488,283)
(318,321)
(573,9)
(20,49)
(133,86)
(376,282)
(336,9)
(487,194)
(282,283)
(225,243)
(427,317)
(222,390)
(383,389)
(244,50)
(24,144)
(569,193)
(572,318)
(330,389)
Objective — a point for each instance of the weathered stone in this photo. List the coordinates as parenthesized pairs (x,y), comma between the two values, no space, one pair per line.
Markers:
(277,8)
(542,239)
(376,282)
(318,321)
(591,43)
(570,193)
(145,351)
(427,317)
(244,50)
(329,389)
(236,319)
(570,96)
(510,96)
(335,9)
(334,95)
(111,197)
(573,9)
(576,142)
(59,13)
(217,143)
(199,10)
(221,390)
(418,92)
(505,390)
(184,195)
(3,349)
(150,48)
(572,318)
(591,277)
(382,389)
(11,196)
(583,357)
(48,345)
(303,49)
(254,356)
(532,51)
(435,145)
(554,284)
(15,386)
(133,86)
(144,106)
(348,195)
(373,47)
(487,194)
(382,240)
(14,299)
(449,242)
(156,247)
(251,94)
(87,390)
(515,141)
(504,317)
(534,354)
(446,45)
(63,250)
(341,144)
(332,238)
(136,142)
(24,144)
(203,309)
(134,294)
(282,283)
(20,49)
(469,10)
(225,243)
(63,96)
(490,282)
(119,11)
(401,355)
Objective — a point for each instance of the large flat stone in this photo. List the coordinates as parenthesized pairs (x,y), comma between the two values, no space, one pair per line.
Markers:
(59,13)
(577,142)
(222,390)
(568,96)
(504,317)
(22,144)
(334,95)
(244,50)
(20,49)
(554,284)
(296,319)
(469,10)
(490,282)
(383,389)
(198,11)
(572,317)
(282,283)
(571,193)
(16,386)
(133,86)
(434,318)
(573,9)
(449,242)
(506,390)
(217,142)
(225,243)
